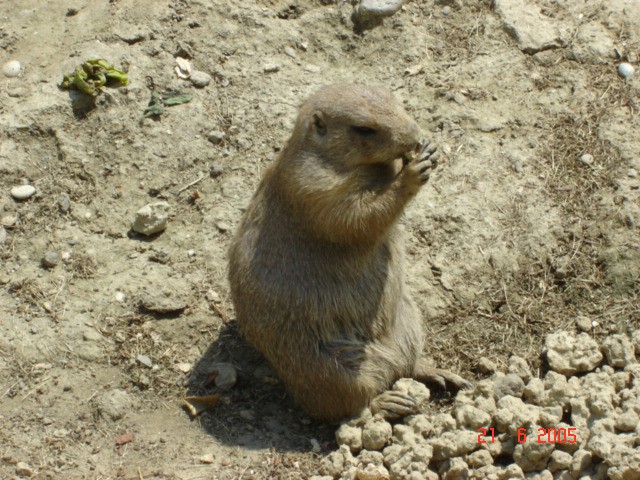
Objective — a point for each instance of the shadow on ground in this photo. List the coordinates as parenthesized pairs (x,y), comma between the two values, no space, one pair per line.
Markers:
(257,413)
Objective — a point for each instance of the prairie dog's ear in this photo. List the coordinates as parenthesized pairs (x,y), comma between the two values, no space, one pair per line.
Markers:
(319,123)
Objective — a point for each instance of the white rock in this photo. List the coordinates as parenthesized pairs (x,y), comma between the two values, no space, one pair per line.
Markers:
(369,9)
(372,472)
(349,436)
(586,159)
(531,455)
(624,69)
(151,218)
(519,366)
(23,470)
(22,192)
(619,350)
(200,79)
(11,68)
(453,444)
(120,297)
(271,68)
(472,418)
(144,360)
(568,355)
(376,433)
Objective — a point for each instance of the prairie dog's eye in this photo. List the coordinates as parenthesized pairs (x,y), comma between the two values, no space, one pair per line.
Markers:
(364,131)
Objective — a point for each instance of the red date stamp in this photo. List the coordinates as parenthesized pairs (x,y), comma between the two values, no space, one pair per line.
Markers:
(545,435)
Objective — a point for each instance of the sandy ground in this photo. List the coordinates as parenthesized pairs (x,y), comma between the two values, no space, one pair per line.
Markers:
(514,237)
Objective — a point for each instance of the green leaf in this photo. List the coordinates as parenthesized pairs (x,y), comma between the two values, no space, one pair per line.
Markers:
(93,75)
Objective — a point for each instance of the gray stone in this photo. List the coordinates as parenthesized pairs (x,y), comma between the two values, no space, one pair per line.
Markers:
(152,218)
(114,404)
(510,384)
(584,324)
(216,136)
(200,79)
(163,302)
(50,259)
(64,202)
(225,375)
(593,43)
(216,170)
(532,31)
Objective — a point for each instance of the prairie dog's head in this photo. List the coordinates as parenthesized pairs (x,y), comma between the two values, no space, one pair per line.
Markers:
(355,125)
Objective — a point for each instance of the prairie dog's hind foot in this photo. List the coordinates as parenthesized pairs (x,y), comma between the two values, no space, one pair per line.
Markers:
(392,405)
(442,378)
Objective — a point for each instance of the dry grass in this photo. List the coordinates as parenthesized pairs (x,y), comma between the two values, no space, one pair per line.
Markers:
(576,279)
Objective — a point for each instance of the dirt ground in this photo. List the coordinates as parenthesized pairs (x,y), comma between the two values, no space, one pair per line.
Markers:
(513,237)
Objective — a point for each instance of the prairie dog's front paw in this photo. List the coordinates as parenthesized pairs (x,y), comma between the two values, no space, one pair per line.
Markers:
(422,161)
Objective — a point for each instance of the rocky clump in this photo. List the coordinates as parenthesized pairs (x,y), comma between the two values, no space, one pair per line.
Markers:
(152,218)
(513,425)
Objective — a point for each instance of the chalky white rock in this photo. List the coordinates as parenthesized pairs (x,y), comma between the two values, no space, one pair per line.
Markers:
(11,68)
(22,192)
(626,70)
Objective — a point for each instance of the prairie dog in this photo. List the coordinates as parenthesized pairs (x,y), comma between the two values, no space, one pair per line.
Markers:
(317,264)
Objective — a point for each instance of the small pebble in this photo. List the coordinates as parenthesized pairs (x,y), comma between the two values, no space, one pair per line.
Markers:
(225,375)
(586,159)
(371,9)
(624,69)
(200,79)
(23,470)
(120,297)
(271,68)
(632,173)
(446,10)
(486,366)
(222,226)
(22,192)
(584,324)
(64,202)
(290,52)
(215,170)
(8,221)
(216,136)
(152,218)
(11,68)
(144,360)
(3,235)
(50,260)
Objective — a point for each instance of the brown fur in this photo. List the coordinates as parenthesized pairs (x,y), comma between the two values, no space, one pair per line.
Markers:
(316,267)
